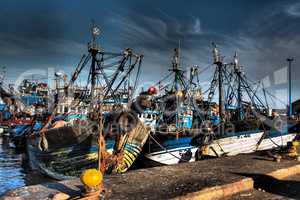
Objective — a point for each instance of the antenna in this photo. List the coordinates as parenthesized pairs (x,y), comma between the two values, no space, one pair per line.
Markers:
(216,55)
(290,60)
(236,61)
(95,31)
(179,52)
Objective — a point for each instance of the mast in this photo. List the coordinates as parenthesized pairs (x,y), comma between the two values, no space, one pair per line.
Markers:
(193,73)
(290,60)
(239,90)
(219,63)
(94,49)
(175,68)
(178,73)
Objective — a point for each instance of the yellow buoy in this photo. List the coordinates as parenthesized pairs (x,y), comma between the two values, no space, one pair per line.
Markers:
(293,149)
(295,143)
(91,178)
(179,93)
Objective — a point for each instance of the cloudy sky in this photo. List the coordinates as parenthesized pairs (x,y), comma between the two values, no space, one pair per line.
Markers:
(37,35)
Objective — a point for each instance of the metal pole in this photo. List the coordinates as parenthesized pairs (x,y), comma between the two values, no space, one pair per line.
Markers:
(93,49)
(100,140)
(221,99)
(219,63)
(93,73)
(237,71)
(239,97)
(290,60)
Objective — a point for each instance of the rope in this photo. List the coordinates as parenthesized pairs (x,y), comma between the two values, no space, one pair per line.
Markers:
(163,148)
(160,81)
(137,78)
(266,91)
(263,136)
(220,147)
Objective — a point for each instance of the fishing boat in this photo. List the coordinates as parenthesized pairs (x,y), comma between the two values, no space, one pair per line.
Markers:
(18,134)
(238,125)
(69,143)
(20,106)
(63,152)
(184,150)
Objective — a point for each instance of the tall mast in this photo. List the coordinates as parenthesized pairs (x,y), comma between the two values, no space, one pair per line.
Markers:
(193,73)
(175,68)
(219,63)
(94,49)
(239,90)
(290,60)
(178,73)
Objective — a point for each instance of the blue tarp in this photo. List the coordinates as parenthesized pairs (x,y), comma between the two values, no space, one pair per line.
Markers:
(30,100)
(2,107)
(37,126)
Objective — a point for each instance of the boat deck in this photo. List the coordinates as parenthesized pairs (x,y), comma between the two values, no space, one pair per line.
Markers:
(165,182)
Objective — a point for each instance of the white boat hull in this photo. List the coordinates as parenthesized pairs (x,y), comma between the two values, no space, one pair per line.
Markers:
(228,146)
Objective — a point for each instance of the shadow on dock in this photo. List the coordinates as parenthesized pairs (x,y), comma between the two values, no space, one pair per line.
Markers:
(65,189)
(286,188)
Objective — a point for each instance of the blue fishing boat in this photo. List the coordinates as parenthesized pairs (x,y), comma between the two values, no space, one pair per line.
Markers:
(240,123)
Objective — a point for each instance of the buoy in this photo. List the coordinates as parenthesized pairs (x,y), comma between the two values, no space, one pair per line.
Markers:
(293,149)
(295,143)
(179,93)
(152,91)
(91,178)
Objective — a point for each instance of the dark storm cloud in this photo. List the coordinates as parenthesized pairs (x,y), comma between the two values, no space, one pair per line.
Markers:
(32,21)
(32,36)
(263,41)
(55,33)
(268,39)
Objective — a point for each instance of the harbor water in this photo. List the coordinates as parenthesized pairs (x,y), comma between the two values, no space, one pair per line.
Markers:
(14,169)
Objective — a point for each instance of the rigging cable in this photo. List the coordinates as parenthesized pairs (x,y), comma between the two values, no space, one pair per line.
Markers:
(165,149)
